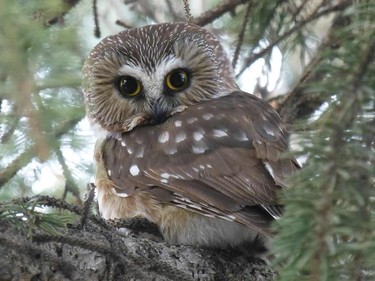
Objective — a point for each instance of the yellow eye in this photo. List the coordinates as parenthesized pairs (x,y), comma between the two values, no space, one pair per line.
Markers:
(177,80)
(128,86)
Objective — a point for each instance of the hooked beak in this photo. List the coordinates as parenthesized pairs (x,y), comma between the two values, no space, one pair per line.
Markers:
(159,111)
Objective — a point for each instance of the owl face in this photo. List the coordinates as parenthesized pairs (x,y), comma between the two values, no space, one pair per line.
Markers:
(145,75)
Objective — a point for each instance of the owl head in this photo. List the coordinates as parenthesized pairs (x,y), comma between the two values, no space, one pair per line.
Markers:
(144,75)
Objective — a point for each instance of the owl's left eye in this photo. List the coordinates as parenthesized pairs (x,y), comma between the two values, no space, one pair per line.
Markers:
(128,86)
(177,79)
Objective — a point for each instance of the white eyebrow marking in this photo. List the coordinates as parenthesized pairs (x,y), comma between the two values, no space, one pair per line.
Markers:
(133,70)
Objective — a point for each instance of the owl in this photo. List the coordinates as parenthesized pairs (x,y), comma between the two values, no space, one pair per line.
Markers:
(178,142)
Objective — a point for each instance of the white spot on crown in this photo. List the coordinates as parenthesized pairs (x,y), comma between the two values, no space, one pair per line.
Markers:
(134,170)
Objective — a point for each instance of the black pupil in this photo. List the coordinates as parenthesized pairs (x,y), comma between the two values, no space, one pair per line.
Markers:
(178,79)
(128,85)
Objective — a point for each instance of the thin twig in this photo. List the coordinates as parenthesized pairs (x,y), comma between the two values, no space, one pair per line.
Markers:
(96,18)
(339,7)
(241,34)
(124,24)
(217,11)
(189,17)
(296,104)
(29,153)
(88,203)
(7,134)
(70,185)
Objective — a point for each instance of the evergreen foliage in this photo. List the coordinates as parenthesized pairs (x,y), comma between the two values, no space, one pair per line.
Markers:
(328,231)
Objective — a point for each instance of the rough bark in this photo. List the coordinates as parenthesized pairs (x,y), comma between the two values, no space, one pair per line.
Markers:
(100,251)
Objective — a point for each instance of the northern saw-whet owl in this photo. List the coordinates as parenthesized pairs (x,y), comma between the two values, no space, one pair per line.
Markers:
(180,144)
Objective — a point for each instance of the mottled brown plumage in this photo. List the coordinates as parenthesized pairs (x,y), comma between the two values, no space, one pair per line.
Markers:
(203,161)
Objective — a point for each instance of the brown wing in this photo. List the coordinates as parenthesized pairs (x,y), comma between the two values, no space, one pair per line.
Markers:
(220,158)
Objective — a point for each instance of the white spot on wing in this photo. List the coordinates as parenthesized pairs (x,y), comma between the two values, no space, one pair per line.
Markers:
(180,137)
(228,217)
(163,137)
(219,133)
(241,137)
(123,143)
(207,116)
(198,136)
(141,152)
(165,175)
(269,169)
(178,123)
(198,149)
(269,131)
(109,172)
(134,170)
(171,150)
(130,150)
(192,120)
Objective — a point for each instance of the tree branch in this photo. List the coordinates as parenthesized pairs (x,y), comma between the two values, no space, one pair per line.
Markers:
(250,60)
(25,157)
(216,12)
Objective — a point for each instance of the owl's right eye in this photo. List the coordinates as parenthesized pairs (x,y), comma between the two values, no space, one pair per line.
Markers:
(128,86)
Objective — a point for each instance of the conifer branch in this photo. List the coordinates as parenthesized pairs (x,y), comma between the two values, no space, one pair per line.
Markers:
(29,153)
(251,59)
(216,12)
